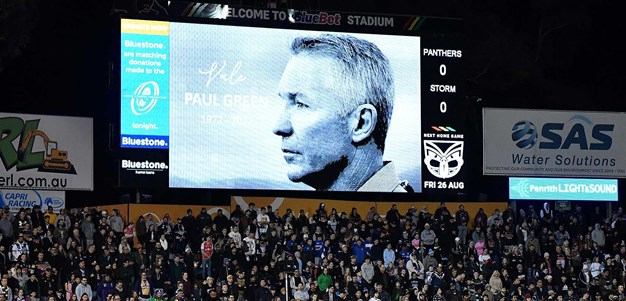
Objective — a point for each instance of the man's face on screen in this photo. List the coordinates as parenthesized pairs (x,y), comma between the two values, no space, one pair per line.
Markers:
(316,138)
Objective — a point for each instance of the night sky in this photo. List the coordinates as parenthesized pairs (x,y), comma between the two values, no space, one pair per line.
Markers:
(55,58)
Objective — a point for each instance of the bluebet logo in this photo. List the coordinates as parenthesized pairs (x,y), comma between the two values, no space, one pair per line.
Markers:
(322,18)
(579,132)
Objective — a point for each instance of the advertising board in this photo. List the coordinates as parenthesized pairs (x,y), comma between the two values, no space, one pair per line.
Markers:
(554,143)
(46,152)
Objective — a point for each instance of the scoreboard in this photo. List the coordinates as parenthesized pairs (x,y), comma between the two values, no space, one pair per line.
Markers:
(214,98)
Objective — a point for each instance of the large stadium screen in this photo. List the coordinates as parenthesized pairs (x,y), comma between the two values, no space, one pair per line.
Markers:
(226,105)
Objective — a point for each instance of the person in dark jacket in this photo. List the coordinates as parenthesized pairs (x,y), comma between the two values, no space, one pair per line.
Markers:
(105,287)
(141,229)
(262,293)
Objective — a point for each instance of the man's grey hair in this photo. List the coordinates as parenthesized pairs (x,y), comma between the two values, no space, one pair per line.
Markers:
(365,75)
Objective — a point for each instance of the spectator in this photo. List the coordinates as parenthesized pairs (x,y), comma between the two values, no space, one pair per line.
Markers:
(52,217)
(560,235)
(262,293)
(141,229)
(179,296)
(204,219)
(36,217)
(596,268)
(532,243)
(105,287)
(442,214)
(393,216)
(84,289)
(6,229)
(301,293)
(427,237)
(546,214)
(117,223)
(495,283)
(389,255)
(324,281)
(321,212)
(5,290)
(31,288)
(206,251)
(480,220)
(158,296)
(367,270)
(597,236)
(358,250)
(596,217)
(221,221)
(144,287)
(88,229)
(430,260)
(263,220)
(372,214)
(495,218)
(62,217)
(414,266)
(354,216)
(439,295)
(18,248)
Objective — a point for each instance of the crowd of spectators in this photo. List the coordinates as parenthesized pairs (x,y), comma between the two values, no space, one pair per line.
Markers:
(260,254)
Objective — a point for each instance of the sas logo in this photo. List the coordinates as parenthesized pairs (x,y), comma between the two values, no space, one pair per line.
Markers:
(579,130)
(524,134)
(145,98)
(51,159)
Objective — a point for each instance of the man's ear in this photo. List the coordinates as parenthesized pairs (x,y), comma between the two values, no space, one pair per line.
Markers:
(363,122)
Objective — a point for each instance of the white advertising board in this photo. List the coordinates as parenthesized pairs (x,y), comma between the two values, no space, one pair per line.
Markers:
(554,143)
(18,199)
(46,152)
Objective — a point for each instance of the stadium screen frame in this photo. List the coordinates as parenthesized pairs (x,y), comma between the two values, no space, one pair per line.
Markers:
(181,73)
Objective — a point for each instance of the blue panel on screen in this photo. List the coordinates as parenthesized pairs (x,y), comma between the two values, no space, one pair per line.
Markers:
(145,88)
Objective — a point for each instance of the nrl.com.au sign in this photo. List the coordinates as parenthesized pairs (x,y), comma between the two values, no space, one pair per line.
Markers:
(46,152)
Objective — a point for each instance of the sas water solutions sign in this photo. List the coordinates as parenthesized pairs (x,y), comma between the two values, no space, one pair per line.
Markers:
(554,143)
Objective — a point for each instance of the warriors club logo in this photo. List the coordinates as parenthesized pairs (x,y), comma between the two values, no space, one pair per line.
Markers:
(443,159)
